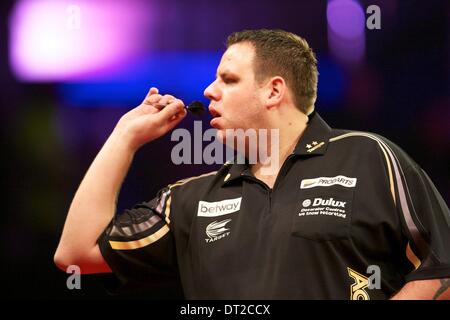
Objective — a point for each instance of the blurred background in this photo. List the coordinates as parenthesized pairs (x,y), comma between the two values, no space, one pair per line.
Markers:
(71,68)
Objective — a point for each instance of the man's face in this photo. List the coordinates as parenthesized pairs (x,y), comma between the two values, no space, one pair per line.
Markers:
(235,95)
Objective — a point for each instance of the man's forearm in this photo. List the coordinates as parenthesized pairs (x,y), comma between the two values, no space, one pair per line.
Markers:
(94,203)
(437,289)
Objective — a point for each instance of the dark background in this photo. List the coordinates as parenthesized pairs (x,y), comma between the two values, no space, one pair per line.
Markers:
(400,90)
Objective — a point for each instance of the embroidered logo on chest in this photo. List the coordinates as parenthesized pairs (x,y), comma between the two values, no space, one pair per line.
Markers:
(219,208)
(328,181)
(216,230)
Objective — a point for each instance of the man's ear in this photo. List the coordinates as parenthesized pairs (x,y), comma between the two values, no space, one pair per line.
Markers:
(275,91)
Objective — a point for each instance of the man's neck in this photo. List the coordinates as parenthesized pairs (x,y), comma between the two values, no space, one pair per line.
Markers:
(289,135)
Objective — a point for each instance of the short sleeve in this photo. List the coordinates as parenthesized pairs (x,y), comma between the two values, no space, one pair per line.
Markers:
(138,246)
(427,218)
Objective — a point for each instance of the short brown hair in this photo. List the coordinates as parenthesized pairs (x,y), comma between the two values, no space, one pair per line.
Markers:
(283,53)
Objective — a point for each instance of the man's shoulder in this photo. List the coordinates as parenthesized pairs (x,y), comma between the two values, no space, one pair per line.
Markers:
(202,181)
(365,140)
(360,138)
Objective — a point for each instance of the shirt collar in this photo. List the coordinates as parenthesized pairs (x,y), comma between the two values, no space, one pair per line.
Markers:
(315,138)
(237,170)
(314,141)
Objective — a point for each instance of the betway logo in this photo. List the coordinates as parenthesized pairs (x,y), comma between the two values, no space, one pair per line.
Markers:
(328,181)
(322,202)
(219,208)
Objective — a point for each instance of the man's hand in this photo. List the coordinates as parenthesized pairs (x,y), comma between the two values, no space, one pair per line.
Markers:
(436,289)
(146,122)
(94,203)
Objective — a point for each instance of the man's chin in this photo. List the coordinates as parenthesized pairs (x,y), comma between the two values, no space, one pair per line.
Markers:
(221,136)
(229,138)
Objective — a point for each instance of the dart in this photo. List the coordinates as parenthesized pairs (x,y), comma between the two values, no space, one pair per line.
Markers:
(195,107)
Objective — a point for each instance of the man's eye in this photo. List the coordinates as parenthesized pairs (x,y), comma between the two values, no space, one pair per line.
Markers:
(229,80)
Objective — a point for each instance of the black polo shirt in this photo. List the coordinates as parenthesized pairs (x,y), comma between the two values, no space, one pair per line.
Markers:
(346,207)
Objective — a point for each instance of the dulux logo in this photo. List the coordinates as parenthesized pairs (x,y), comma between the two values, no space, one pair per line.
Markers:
(322,202)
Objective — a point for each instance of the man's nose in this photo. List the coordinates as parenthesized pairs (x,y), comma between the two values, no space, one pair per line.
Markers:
(210,92)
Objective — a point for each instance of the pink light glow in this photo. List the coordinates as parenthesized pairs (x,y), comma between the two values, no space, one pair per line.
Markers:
(346,26)
(49,43)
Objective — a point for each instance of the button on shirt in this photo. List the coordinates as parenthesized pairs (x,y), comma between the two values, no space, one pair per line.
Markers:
(350,216)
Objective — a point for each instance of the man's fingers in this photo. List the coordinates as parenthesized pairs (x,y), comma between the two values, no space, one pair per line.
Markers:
(152,96)
(174,120)
(166,119)
(168,107)
(172,109)
(153,90)
(156,99)
(166,99)
(179,115)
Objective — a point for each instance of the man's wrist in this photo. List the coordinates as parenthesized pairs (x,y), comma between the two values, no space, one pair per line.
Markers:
(122,141)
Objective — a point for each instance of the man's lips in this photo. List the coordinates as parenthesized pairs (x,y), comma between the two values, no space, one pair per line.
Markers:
(213,111)
(215,123)
(216,116)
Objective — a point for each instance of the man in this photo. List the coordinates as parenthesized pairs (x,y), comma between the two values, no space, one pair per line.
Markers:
(345,215)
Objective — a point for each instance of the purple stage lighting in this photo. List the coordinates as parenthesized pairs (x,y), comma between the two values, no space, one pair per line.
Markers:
(346,25)
(56,40)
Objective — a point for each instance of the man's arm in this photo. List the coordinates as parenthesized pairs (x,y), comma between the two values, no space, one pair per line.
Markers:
(94,203)
(436,289)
